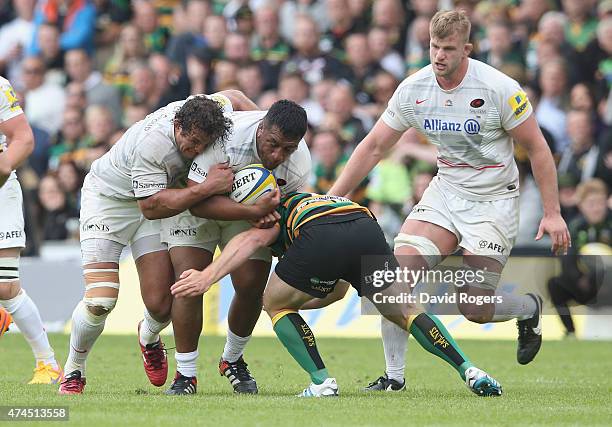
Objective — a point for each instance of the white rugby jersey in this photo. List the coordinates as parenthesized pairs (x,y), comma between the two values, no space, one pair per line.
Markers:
(240,150)
(146,159)
(469,125)
(9,108)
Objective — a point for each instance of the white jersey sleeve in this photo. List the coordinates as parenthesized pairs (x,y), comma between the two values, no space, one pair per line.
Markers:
(393,116)
(204,161)
(149,174)
(9,104)
(515,107)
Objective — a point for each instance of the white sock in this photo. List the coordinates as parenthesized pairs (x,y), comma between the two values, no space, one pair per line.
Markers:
(395,340)
(86,328)
(512,306)
(27,318)
(186,363)
(234,346)
(150,329)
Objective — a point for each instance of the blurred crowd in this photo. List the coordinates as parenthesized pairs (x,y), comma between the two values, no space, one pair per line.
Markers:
(86,70)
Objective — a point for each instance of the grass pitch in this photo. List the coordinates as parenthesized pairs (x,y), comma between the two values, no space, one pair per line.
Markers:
(569,383)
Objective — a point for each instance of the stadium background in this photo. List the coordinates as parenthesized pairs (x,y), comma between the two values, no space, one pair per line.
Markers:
(86,70)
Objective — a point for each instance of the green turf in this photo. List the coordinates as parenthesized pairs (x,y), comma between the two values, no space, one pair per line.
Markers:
(570,383)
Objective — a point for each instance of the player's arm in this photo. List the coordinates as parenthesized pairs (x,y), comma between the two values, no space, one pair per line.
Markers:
(368,153)
(225,209)
(240,102)
(172,201)
(20,144)
(238,250)
(529,136)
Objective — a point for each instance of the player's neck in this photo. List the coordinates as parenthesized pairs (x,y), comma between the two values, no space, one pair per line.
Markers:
(454,80)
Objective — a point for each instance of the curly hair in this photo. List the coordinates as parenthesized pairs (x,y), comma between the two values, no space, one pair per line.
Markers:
(202,118)
(288,117)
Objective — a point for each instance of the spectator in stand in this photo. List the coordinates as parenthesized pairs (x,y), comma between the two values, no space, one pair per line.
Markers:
(308,60)
(250,80)
(199,73)
(70,179)
(567,197)
(294,88)
(417,50)
(51,53)
(71,137)
(581,157)
(579,281)
(189,37)
(341,26)
(129,51)
(168,80)
(15,37)
(55,211)
(44,101)
(268,48)
(380,49)
(389,14)
(501,49)
(143,88)
(236,49)
(340,116)
(75,19)
(550,112)
(147,20)
(363,67)
(79,69)
(581,26)
(215,31)
(291,9)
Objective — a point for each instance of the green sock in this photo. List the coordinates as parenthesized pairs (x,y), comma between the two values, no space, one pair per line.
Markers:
(298,339)
(433,337)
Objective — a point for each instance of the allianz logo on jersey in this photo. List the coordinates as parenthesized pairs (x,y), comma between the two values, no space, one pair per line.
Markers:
(470,126)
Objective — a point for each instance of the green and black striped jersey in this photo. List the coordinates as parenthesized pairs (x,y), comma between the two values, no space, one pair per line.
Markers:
(297,209)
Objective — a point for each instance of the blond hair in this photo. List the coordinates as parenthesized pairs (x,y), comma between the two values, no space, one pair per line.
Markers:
(447,22)
(592,186)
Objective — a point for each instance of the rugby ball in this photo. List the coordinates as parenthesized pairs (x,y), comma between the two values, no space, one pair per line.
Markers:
(250,183)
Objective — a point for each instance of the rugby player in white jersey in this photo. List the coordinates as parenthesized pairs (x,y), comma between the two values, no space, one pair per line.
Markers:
(16,144)
(124,196)
(473,113)
(274,139)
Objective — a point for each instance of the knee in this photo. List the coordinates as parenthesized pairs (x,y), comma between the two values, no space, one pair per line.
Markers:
(252,290)
(9,290)
(100,306)
(476,314)
(160,308)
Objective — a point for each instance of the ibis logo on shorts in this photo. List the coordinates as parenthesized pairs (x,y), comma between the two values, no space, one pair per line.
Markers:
(12,234)
(183,232)
(470,126)
(484,244)
(96,227)
(244,180)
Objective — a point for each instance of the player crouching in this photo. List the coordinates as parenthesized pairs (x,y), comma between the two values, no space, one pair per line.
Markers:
(324,239)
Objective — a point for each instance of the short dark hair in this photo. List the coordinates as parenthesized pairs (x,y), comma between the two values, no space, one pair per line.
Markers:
(203,116)
(289,118)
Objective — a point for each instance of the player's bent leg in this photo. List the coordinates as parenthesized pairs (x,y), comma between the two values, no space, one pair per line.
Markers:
(21,309)
(249,282)
(527,309)
(420,245)
(156,276)
(187,320)
(282,302)
(89,316)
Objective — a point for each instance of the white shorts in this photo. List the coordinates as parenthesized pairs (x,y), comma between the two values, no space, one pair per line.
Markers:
(117,220)
(486,228)
(187,230)
(12,234)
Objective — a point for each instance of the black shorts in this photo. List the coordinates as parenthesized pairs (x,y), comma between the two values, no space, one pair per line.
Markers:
(348,247)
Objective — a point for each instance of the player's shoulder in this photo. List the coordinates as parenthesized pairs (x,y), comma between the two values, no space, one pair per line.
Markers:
(4,82)
(490,77)
(422,77)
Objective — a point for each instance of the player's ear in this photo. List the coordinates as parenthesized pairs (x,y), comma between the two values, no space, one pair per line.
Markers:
(467,48)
